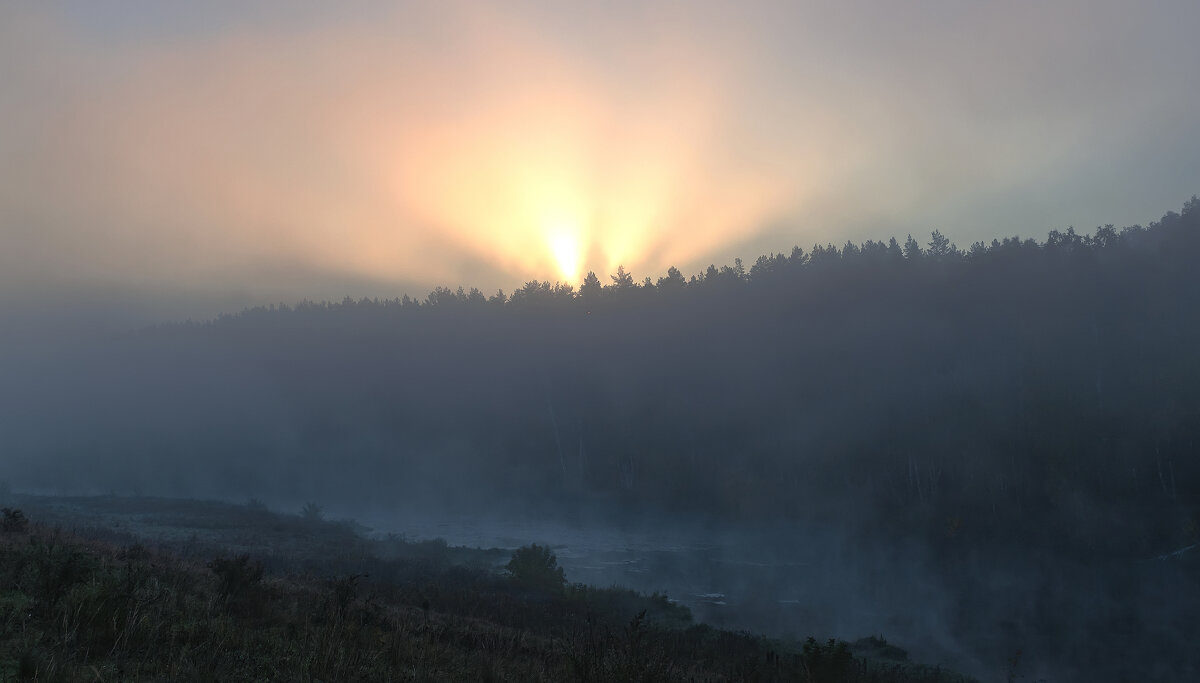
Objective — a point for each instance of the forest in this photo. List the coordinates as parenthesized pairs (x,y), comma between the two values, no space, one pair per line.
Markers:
(1018,398)
(991,389)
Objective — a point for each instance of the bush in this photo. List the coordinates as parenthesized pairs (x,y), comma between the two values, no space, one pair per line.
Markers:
(312,512)
(239,583)
(343,591)
(826,662)
(14,520)
(535,566)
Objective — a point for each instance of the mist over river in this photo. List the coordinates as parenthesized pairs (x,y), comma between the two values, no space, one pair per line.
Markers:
(788,582)
(983,611)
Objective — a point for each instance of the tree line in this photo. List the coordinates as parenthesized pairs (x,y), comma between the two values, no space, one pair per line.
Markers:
(968,393)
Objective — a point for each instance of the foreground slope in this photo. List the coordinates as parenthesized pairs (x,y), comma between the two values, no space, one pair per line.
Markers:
(76,608)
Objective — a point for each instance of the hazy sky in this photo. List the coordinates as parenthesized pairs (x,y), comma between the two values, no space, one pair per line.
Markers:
(205,155)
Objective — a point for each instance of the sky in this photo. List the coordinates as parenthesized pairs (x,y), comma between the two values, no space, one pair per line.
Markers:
(188,158)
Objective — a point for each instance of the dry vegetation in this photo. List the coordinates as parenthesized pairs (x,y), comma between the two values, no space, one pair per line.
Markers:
(98,604)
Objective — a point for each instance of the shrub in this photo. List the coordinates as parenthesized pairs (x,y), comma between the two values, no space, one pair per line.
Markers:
(312,512)
(239,582)
(826,662)
(343,591)
(14,520)
(535,566)
(877,647)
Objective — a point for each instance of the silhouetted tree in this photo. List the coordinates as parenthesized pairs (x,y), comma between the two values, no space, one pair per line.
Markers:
(590,288)
(622,279)
(673,282)
(940,248)
(912,250)
(535,566)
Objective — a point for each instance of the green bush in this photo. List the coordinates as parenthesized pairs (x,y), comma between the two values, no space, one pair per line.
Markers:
(535,566)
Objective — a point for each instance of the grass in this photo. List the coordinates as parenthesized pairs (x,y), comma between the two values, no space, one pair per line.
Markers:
(102,605)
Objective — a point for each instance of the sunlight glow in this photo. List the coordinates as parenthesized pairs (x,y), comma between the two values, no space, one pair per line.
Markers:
(508,158)
(566,246)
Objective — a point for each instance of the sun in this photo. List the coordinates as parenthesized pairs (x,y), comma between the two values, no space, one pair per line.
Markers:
(565,245)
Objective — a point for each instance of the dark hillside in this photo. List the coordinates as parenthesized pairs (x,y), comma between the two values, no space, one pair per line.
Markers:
(80,609)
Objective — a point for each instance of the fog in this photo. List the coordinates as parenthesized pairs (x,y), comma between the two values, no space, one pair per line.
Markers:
(976,453)
(290,151)
(465,271)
